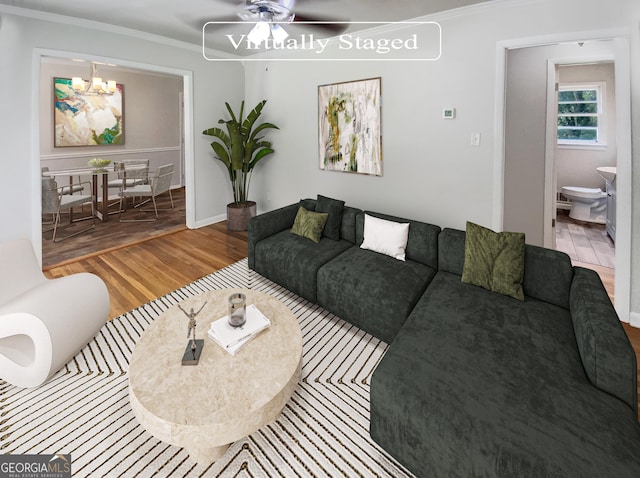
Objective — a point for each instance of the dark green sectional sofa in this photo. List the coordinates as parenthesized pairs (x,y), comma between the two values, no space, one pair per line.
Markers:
(473,383)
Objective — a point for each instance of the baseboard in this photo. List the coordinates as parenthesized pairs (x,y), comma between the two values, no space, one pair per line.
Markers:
(210,220)
(634,319)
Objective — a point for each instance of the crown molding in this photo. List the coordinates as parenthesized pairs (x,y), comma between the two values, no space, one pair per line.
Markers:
(475,9)
(109,28)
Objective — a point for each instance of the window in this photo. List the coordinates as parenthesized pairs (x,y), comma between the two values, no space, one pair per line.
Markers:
(580,119)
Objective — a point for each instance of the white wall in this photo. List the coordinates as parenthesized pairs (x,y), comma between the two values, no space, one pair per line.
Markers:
(213,83)
(423,155)
(430,171)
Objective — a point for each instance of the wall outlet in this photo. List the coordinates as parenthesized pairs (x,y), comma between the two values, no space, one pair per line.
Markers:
(475,139)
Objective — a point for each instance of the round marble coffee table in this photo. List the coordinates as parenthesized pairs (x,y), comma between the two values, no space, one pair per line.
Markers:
(205,407)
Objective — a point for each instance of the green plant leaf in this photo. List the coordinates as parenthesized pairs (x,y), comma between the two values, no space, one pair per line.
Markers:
(221,153)
(260,128)
(259,155)
(241,147)
(220,134)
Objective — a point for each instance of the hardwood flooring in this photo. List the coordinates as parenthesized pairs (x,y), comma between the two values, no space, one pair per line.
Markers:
(112,234)
(139,273)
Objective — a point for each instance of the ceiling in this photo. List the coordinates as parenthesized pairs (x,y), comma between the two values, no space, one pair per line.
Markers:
(183,21)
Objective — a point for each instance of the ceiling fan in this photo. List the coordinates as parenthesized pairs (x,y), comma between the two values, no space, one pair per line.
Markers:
(269,17)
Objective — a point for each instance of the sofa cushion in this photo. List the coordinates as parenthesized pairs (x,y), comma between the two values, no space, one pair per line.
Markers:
(494,260)
(309,224)
(607,356)
(334,208)
(374,291)
(422,244)
(349,215)
(499,390)
(265,225)
(293,261)
(309,204)
(348,228)
(547,273)
(385,237)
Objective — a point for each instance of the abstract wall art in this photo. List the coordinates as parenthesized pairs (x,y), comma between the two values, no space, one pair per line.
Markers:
(82,119)
(349,127)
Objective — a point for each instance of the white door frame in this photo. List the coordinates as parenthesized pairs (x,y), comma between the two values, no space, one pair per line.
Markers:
(621,58)
(550,179)
(187,128)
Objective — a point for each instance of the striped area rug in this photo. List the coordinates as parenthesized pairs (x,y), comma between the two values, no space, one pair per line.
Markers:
(323,431)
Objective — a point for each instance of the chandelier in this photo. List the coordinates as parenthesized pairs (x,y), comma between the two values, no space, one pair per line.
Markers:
(95,86)
(268,16)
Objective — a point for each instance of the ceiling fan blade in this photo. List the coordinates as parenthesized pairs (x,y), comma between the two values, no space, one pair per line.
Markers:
(326,25)
(225,19)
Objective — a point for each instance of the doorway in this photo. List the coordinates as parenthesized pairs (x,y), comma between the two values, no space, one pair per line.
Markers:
(526,198)
(137,79)
(581,127)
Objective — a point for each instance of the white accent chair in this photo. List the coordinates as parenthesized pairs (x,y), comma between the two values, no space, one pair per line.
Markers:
(44,322)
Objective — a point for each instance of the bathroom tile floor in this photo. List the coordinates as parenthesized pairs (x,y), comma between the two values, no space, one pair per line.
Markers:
(584,242)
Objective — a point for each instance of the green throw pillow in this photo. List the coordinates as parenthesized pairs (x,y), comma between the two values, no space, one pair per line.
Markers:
(494,260)
(309,224)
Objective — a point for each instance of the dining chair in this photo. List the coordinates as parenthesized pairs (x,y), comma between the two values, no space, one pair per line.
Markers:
(54,202)
(129,172)
(157,184)
(72,188)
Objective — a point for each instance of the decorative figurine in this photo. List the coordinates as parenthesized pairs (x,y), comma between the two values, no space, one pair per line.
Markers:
(194,348)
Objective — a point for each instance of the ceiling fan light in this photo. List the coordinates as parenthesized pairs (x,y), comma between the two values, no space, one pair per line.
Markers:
(259,33)
(279,34)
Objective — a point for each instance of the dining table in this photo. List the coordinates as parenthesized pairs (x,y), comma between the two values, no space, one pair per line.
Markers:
(98,176)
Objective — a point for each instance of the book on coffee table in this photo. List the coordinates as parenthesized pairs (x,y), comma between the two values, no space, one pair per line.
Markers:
(233,338)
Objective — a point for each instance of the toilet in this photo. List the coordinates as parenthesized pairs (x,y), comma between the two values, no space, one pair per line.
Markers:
(587,204)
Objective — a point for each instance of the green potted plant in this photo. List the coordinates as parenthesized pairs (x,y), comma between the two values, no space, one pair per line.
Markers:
(240,148)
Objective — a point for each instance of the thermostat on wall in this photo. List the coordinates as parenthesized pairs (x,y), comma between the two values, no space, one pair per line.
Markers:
(449,113)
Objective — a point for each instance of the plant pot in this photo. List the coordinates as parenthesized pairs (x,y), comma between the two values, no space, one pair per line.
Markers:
(238,215)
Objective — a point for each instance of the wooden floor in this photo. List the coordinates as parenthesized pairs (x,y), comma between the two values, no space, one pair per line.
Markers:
(139,273)
(112,234)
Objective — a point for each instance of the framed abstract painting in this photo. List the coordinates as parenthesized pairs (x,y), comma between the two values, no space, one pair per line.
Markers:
(83,119)
(349,127)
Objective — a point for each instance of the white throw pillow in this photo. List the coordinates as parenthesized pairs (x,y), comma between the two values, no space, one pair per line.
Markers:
(385,237)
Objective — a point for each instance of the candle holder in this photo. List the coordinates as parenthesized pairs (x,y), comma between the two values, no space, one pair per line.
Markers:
(237,310)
